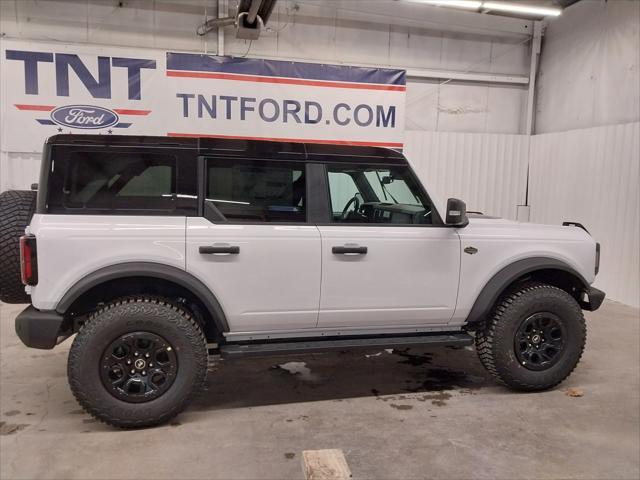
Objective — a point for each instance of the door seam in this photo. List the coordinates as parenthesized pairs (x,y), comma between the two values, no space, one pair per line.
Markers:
(321,275)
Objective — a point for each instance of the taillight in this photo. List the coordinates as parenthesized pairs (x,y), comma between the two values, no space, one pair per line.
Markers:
(28,260)
(597,258)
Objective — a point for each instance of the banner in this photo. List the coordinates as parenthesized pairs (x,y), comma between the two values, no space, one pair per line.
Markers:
(54,88)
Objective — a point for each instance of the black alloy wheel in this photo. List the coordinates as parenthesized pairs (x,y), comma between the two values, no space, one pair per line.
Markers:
(138,367)
(540,341)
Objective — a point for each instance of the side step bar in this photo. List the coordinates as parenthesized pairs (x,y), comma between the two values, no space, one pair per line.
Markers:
(236,350)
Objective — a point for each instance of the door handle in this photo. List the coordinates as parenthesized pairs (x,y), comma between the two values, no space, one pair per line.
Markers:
(349,249)
(219,249)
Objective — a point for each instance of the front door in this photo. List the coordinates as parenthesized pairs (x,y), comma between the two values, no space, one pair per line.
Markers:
(253,248)
(387,260)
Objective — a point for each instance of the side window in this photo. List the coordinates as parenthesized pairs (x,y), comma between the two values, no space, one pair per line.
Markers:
(120,181)
(368,194)
(256,190)
(342,189)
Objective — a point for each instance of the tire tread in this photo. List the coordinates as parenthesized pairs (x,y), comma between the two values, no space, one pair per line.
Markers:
(184,321)
(486,335)
(16,209)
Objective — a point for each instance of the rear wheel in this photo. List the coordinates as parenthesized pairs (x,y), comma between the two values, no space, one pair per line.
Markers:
(137,362)
(16,210)
(534,339)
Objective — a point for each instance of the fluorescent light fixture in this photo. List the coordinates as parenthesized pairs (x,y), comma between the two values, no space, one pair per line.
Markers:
(523,9)
(471,4)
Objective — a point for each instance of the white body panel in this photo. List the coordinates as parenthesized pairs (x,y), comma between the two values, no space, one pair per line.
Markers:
(72,246)
(272,284)
(409,276)
(286,282)
(502,242)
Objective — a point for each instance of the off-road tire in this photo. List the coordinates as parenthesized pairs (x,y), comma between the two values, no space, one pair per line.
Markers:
(16,210)
(495,340)
(148,314)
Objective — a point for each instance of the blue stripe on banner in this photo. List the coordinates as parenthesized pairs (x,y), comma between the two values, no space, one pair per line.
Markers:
(122,125)
(276,68)
(44,122)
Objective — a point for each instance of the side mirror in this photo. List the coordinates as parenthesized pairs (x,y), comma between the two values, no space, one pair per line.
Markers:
(456,213)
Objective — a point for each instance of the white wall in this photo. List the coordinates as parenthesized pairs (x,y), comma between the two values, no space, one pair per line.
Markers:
(590,67)
(584,166)
(488,171)
(591,176)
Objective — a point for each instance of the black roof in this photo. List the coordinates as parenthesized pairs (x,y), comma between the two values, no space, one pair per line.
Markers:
(237,147)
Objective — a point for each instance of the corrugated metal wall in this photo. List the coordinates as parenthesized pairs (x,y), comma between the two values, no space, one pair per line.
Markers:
(591,176)
(487,171)
(18,170)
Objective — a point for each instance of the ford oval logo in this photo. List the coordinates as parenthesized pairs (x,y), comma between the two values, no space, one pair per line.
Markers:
(84,116)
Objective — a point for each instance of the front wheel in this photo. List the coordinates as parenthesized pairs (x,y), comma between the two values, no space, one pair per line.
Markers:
(534,338)
(137,362)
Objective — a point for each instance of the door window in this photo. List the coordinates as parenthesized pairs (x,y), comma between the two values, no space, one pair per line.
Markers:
(257,191)
(362,194)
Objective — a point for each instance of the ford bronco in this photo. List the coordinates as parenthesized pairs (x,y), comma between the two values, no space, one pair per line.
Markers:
(155,250)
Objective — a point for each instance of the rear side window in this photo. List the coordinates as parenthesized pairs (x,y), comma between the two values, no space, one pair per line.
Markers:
(257,191)
(120,181)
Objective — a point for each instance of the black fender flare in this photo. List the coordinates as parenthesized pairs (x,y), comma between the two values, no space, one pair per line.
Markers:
(509,274)
(147,269)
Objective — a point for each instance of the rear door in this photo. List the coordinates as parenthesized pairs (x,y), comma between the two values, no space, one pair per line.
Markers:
(387,260)
(253,246)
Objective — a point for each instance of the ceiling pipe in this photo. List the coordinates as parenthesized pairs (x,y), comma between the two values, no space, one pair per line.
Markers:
(215,23)
(253,11)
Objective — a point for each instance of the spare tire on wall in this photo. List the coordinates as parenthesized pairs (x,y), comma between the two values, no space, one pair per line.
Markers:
(16,209)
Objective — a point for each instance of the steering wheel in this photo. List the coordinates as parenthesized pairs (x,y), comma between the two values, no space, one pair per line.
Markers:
(356,206)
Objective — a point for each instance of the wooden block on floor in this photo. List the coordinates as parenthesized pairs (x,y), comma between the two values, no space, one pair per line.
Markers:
(325,465)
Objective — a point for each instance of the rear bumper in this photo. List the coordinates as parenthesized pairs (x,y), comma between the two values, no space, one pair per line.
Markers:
(39,328)
(594,299)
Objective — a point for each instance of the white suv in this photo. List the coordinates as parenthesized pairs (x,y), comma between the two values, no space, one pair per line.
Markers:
(150,248)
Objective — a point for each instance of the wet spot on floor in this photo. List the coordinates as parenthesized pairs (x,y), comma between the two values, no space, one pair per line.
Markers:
(9,428)
(439,379)
(438,399)
(303,418)
(11,413)
(400,407)
(414,360)
(30,413)
(289,455)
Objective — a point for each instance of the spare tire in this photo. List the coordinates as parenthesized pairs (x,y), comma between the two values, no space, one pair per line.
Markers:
(16,209)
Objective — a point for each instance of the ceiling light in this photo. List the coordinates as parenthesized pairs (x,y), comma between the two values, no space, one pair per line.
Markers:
(523,9)
(471,4)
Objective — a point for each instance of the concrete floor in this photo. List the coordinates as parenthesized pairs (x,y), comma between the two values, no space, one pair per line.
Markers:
(418,414)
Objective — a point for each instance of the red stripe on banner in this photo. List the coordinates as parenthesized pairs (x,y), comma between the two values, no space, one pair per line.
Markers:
(291,140)
(288,81)
(39,108)
(127,111)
